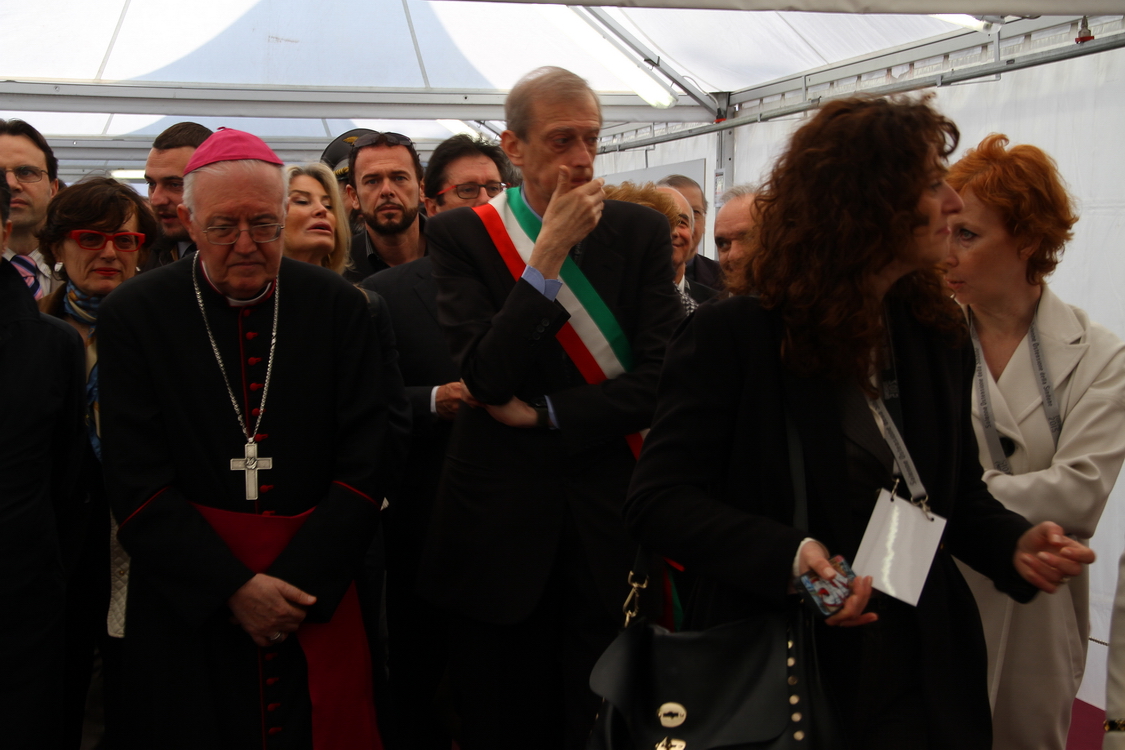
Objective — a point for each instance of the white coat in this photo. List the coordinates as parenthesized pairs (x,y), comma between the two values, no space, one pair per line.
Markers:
(1037,651)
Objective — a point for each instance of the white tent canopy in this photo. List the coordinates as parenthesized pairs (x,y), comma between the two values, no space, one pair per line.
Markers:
(299,74)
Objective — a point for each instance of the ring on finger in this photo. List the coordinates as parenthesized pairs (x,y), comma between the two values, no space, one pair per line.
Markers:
(277,637)
(1064,579)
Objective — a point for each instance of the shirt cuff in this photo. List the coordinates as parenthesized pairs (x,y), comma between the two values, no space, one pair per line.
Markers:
(553,423)
(797,557)
(549,288)
(433,399)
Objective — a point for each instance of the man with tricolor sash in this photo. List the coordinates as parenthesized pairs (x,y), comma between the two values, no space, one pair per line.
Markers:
(557,305)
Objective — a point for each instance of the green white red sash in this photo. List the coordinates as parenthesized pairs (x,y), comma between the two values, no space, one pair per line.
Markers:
(592,338)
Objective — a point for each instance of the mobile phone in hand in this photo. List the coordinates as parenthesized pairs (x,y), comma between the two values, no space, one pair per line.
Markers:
(827,597)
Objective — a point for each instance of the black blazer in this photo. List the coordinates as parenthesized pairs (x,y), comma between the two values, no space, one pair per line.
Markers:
(713,491)
(506,492)
(699,292)
(705,271)
(410,295)
(42,439)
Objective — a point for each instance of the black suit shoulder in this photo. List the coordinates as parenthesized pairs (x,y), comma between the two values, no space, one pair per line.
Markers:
(393,279)
(706,271)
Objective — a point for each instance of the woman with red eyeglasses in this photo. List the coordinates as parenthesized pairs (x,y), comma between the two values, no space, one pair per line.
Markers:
(98,232)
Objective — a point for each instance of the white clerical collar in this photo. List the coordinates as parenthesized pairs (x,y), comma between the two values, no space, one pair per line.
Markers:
(231,300)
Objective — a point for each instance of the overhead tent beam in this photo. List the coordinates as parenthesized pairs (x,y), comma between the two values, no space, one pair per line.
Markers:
(603,19)
(948,44)
(1006,63)
(81,155)
(907,7)
(295,102)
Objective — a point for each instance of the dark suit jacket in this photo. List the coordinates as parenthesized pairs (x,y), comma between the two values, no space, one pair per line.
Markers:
(366,263)
(410,293)
(363,264)
(506,492)
(42,439)
(706,271)
(700,293)
(165,251)
(713,491)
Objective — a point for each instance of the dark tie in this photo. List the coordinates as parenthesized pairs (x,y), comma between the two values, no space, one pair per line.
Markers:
(30,272)
(688,303)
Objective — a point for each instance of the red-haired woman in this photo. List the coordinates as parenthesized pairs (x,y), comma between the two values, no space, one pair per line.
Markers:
(850,333)
(1049,415)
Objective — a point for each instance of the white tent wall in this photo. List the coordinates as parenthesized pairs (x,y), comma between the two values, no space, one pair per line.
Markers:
(1074,111)
(688,149)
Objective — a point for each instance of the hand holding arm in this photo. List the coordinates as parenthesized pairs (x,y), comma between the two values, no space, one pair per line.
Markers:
(265,606)
(449,397)
(515,413)
(1046,559)
(571,215)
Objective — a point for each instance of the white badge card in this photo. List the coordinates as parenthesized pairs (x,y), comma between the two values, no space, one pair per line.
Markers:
(898,547)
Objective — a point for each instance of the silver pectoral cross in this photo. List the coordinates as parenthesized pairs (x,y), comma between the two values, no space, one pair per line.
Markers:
(251,464)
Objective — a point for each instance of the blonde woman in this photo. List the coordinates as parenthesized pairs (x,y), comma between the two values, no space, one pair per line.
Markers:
(316,225)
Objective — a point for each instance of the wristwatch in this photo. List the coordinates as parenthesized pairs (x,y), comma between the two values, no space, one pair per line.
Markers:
(542,415)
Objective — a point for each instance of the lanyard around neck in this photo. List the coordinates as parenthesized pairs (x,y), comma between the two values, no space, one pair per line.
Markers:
(889,409)
(984,398)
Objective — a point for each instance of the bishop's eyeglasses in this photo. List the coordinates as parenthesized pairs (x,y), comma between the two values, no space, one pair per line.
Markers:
(227,234)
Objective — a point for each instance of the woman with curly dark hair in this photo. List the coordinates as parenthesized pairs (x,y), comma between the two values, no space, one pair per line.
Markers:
(847,333)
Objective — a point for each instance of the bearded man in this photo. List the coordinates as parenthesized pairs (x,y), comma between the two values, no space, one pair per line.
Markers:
(385,187)
(248,498)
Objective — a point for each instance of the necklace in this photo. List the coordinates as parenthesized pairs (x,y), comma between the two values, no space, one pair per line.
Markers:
(250,464)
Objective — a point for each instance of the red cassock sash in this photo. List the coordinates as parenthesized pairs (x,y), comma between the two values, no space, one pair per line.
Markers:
(343,705)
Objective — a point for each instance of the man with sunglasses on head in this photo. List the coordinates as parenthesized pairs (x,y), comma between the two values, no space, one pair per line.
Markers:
(248,500)
(462,171)
(32,172)
(385,186)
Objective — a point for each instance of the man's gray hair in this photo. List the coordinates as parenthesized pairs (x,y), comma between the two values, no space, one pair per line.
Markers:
(550,84)
(225,167)
(739,191)
(681,181)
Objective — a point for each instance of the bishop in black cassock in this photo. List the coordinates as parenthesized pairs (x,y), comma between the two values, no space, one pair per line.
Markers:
(180,471)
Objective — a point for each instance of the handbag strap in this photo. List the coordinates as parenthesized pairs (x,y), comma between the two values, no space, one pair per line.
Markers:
(639,573)
(797,475)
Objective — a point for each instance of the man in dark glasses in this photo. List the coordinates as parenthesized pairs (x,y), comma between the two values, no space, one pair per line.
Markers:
(464,171)
(385,186)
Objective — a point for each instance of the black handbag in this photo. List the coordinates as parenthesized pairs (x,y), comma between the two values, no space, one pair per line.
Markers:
(748,684)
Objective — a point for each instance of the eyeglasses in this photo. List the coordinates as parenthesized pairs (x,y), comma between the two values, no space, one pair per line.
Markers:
(469,190)
(92,239)
(377,139)
(228,235)
(26,173)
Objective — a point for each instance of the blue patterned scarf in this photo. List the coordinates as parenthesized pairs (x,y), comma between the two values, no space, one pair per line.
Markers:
(84,307)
